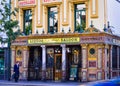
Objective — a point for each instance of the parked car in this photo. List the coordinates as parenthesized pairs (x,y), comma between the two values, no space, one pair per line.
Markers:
(110,82)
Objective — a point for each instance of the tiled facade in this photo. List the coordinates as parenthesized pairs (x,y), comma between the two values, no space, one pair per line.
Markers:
(54,48)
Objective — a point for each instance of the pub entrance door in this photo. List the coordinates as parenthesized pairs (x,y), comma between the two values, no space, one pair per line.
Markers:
(54,63)
(74,61)
(58,67)
(35,63)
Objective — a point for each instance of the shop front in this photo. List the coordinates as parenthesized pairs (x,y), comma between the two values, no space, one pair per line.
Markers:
(66,57)
(4,60)
(49,58)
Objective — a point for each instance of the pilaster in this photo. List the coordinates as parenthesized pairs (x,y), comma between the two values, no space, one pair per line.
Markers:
(84,62)
(13,55)
(25,59)
(111,47)
(100,72)
(105,61)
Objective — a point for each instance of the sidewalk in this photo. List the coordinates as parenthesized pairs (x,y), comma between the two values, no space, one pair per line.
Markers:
(39,83)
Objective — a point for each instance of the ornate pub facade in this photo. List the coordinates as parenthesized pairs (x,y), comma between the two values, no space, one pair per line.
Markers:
(61,42)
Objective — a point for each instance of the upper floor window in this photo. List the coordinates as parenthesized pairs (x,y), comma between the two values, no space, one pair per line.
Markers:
(27,22)
(80,17)
(52,20)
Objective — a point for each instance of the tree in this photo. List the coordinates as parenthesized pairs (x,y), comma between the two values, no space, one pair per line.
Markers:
(9,27)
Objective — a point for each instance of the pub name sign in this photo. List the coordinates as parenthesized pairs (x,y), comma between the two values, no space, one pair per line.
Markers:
(54,40)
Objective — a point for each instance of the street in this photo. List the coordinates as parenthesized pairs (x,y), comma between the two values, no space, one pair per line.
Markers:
(38,83)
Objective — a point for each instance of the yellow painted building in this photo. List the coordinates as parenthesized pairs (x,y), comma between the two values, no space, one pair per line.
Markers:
(61,41)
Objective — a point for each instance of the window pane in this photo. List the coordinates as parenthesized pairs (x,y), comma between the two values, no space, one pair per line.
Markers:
(80,17)
(27,22)
(1,65)
(114,57)
(52,20)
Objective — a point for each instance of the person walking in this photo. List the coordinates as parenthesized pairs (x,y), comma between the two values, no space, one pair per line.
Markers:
(16,71)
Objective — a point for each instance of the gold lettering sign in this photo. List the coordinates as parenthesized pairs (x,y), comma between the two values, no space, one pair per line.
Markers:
(54,40)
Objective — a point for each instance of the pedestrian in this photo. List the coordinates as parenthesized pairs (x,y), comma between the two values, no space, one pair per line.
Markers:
(16,71)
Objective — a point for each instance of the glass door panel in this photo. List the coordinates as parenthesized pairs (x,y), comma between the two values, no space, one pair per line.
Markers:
(58,66)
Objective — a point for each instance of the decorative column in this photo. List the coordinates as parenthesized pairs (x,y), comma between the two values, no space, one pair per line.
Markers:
(105,61)
(118,61)
(43,62)
(13,54)
(84,62)
(111,61)
(99,62)
(63,62)
(25,62)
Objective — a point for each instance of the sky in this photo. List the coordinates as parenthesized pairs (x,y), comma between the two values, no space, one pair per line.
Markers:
(114,15)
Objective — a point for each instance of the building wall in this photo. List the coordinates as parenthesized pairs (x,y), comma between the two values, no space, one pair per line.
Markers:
(94,65)
(95,9)
(98,19)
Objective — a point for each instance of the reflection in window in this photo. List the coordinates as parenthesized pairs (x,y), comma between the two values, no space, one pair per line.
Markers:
(27,22)
(75,56)
(114,57)
(52,20)
(80,17)
(1,61)
(50,60)
(58,63)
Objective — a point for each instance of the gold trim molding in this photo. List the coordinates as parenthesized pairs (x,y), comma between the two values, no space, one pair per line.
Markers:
(13,47)
(77,1)
(25,47)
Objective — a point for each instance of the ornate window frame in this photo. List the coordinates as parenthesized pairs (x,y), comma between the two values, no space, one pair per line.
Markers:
(21,10)
(45,9)
(72,2)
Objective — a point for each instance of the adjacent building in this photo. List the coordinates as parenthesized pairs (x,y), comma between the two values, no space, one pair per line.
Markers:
(66,40)
(4,59)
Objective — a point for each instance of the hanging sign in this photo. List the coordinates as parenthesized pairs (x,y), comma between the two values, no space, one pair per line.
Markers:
(26,2)
(50,1)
